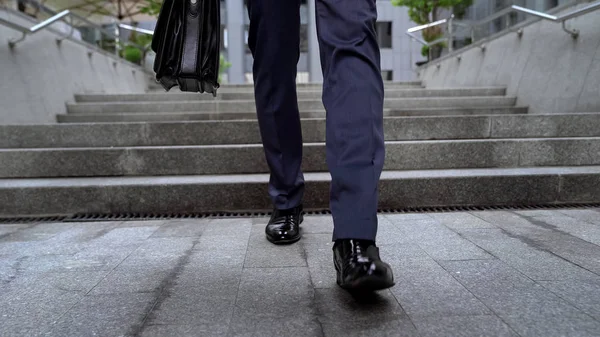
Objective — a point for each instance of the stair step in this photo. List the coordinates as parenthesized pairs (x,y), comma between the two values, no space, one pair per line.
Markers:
(309,94)
(249,105)
(246,131)
(154,86)
(249,159)
(117,117)
(193,194)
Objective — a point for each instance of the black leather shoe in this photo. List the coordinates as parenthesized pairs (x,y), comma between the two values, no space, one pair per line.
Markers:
(284,226)
(359,266)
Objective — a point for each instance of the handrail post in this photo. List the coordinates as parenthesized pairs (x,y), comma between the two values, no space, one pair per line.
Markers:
(450,34)
(574,32)
(117,39)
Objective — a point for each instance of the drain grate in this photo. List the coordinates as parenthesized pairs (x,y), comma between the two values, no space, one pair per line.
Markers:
(92,217)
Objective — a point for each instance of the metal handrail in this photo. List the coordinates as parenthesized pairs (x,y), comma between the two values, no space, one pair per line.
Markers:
(450,21)
(136,29)
(27,31)
(411,32)
(57,17)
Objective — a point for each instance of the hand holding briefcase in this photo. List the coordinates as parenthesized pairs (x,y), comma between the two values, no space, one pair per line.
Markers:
(187,42)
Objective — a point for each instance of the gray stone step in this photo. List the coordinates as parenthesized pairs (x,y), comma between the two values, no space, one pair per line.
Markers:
(300,86)
(398,189)
(309,94)
(246,131)
(220,116)
(248,159)
(316,104)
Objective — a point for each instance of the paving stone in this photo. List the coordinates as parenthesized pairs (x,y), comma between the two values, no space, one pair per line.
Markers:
(8,331)
(440,242)
(550,231)
(559,323)
(460,220)
(563,223)
(318,239)
(219,273)
(104,315)
(424,288)
(124,236)
(89,327)
(35,309)
(162,330)
(213,294)
(40,231)
(6,230)
(319,257)
(387,327)
(583,294)
(106,257)
(463,326)
(68,263)
(490,274)
(262,253)
(268,292)
(402,251)
(181,228)
(296,325)
(50,246)
(316,224)
(71,240)
(524,254)
(215,243)
(503,219)
(195,308)
(589,215)
(128,279)
(229,227)
(405,217)
(537,212)
(159,252)
(76,281)
(389,234)
(522,303)
(337,305)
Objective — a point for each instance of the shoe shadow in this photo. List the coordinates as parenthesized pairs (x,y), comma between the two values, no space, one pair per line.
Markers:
(368,298)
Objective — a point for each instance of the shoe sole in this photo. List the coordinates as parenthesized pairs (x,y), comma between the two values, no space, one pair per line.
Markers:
(290,241)
(368,283)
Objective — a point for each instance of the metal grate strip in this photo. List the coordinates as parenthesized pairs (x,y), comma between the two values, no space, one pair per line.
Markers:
(91,217)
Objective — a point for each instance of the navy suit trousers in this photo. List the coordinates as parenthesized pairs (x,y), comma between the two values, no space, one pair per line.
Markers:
(352,96)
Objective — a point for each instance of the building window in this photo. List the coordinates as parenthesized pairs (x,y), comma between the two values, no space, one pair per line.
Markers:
(384,34)
(303,38)
(388,75)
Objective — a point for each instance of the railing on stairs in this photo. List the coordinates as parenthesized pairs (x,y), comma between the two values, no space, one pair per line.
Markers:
(69,17)
(451,22)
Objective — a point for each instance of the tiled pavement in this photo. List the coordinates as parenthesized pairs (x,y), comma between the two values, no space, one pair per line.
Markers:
(500,273)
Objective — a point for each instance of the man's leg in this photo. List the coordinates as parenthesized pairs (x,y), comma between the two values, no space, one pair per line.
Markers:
(274,40)
(353,97)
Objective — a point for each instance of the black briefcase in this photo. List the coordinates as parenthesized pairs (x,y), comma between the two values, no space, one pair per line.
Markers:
(187,42)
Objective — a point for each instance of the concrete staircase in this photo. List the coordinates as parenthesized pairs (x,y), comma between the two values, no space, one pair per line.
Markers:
(181,153)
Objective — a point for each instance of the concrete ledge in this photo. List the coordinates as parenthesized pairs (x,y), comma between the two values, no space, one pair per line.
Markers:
(249,159)
(544,67)
(188,194)
(39,75)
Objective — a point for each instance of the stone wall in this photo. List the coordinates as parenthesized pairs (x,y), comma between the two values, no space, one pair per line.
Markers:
(39,75)
(546,68)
